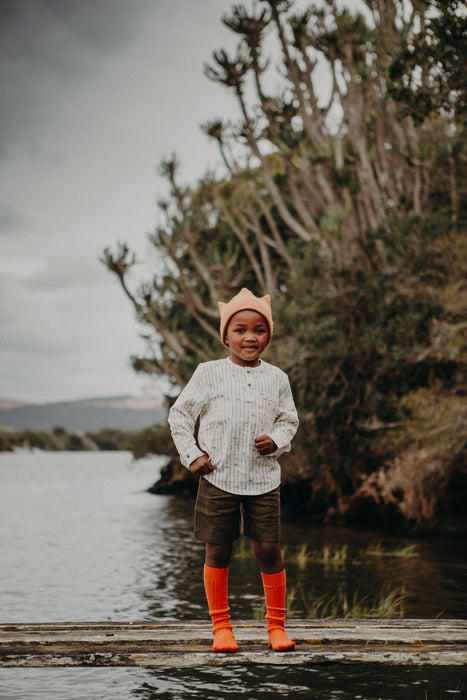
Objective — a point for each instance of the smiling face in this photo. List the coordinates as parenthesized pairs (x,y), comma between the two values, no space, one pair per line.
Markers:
(247,336)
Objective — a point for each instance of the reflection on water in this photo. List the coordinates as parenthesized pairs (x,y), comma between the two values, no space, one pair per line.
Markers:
(439,562)
(322,682)
(442,562)
(169,578)
(82,540)
(326,683)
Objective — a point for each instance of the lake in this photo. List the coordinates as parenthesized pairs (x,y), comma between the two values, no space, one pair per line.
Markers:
(82,540)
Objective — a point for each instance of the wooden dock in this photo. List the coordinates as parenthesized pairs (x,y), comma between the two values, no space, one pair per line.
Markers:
(188,644)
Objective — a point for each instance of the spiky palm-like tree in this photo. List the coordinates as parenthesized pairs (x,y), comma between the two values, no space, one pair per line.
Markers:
(252,28)
(232,73)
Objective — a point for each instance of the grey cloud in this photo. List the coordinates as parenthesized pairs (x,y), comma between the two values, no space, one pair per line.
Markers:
(67,276)
(46,42)
(11,220)
(43,25)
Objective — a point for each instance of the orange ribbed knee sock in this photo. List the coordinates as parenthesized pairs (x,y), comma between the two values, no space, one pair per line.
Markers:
(274,590)
(215,584)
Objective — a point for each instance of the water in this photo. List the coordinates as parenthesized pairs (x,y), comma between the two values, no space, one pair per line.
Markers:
(251,683)
(82,540)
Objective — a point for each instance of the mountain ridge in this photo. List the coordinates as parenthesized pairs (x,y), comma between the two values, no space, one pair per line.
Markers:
(125,412)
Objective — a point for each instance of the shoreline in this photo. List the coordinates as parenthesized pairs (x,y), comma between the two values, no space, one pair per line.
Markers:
(300,503)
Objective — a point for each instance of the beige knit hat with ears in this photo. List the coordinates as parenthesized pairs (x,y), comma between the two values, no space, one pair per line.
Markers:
(245,300)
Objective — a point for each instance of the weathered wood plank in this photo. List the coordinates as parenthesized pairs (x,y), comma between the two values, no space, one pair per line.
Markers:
(188,644)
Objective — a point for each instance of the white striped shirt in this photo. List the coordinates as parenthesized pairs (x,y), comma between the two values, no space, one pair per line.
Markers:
(235,405)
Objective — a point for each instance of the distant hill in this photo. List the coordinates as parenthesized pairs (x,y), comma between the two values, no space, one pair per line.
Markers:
(87,415)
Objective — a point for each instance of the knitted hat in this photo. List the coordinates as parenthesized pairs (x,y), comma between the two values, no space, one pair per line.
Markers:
(245,300)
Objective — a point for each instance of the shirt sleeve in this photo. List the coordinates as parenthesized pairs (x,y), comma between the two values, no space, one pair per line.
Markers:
(286,423)
(183,416)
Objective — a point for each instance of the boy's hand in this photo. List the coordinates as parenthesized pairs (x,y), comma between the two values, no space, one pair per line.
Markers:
(201,465)
(265,445)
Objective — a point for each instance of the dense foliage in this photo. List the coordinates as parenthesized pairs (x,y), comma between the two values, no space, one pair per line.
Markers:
(347,203)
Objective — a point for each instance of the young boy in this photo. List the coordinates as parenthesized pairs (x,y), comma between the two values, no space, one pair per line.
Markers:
(247,419)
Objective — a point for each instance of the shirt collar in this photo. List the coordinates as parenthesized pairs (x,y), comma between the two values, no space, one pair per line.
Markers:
(243,367)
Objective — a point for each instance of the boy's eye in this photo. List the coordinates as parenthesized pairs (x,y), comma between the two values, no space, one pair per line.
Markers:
(259,331)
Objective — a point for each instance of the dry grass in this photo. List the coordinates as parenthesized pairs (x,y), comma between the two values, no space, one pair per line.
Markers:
(386,603)
(378,549)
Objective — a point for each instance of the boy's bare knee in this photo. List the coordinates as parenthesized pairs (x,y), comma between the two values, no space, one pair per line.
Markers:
(269,556)
(218,555)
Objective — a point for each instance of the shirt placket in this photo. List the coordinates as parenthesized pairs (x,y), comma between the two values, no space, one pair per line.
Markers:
(249,381)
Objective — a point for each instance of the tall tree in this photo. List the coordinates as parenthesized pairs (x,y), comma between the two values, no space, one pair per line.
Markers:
(349,207)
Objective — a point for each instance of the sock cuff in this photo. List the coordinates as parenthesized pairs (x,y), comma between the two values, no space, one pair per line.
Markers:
(214,568)
(216,575)
(274,579)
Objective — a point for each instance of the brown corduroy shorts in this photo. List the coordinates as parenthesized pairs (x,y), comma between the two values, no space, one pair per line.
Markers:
(221,517)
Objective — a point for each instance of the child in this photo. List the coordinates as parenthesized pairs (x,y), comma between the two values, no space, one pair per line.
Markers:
(247,419)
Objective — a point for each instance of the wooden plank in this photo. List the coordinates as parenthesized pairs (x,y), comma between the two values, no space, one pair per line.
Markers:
(188,644)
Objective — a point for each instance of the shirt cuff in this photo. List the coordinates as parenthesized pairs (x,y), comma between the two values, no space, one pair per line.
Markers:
(281,447)
(189,457)
(281,450)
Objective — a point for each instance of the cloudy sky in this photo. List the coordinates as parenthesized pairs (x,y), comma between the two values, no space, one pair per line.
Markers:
(94,94)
